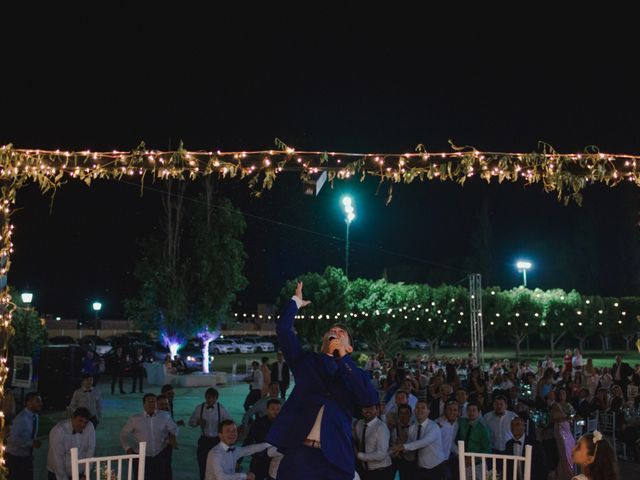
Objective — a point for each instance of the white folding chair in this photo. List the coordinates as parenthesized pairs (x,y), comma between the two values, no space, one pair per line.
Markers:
(489,464)
(607,425)
(104,466)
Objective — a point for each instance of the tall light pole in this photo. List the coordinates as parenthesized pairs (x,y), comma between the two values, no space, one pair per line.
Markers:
(523,266)
(96,308)
(350,215)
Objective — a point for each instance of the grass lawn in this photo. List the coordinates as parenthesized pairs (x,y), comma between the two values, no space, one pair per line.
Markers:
(225,362)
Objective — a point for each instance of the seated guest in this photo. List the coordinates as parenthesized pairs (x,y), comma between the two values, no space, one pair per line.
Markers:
(583,407)
(371,440)
(515,446)
(462,398)
(437,405)
(401,397)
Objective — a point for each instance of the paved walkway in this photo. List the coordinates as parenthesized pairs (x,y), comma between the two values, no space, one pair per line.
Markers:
(118,408)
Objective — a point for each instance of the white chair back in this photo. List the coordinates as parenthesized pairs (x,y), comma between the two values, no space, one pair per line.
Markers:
(122,467)
(632,392)
(489,464)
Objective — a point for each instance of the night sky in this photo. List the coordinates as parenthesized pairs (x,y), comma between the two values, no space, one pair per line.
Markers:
(372,78)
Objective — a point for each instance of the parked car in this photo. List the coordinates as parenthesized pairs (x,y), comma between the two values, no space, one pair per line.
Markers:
(96,344)
(241,346)
(192,357)
(259,344)
(222,345)
(62,340)
(416,344)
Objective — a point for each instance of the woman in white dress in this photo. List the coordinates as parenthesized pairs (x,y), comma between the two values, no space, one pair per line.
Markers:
(595,457)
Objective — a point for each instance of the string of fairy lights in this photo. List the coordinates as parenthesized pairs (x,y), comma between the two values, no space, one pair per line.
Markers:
(415,312)
(565,174)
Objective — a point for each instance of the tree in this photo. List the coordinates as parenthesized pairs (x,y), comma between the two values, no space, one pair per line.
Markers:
(629,309)
(28,330)
(557,307)
(327,293)
(191,270)
(582,325)
(517,309)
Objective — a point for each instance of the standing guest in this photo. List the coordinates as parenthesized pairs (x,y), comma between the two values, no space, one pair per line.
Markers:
(259,409)
(261,461)
(564,443)
(621,371)
(576,361)
(171,394)
(605,379)
(208,416)
(137,369)
(601,401)
(314,426)
(76,432)
(280,374)
(22,439)
(162,404)
(438,404)
(567,361)
(88,397)
(462,399)
(256,381)
(266,375)
(449,432)
(372,364)
(222,459)
(371,442)
(426,441)
(516,446)
(590,377)
(120,361)
(596,458)
(401,397)
(90,366)
(476,436)
(402,461)
(476,383)
(158,430)
(583,407)
(499,424)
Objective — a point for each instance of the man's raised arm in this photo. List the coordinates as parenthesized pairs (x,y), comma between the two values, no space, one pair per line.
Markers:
(289,342)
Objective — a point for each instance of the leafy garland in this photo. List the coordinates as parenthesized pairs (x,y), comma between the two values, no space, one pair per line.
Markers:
(565,174)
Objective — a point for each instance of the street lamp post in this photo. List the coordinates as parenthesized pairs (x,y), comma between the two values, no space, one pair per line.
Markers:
(524,266)
(350,215)
(96,308)
(27,298)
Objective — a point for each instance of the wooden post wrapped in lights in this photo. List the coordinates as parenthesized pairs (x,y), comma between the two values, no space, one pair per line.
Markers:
(565,174)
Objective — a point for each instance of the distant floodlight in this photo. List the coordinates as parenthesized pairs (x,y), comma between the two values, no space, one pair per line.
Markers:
(97,306)
(27,297)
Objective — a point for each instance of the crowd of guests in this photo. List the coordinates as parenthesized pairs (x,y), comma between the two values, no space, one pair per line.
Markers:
(426,406)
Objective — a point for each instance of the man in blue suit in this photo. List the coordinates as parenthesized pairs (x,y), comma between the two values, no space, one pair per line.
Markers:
(314,427)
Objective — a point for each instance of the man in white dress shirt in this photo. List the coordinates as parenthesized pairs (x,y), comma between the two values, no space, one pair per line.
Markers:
(371,441)
(449,431)
(88,397)
(256,382)
(499,424)
(401,397)
(425,439)
(208,416)
(157,429)
(76,432)
(462,397)
(222,459)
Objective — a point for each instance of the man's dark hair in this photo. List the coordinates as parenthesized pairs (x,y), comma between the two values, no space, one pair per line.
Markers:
(273,401)
(162,396)
(86,375)
(473,404)
(406,406)
(211,391)
(345,328)
(224,423)
(30,396)
(500,397)
(255,362)
(82,412)
(166,388)
(402,391)
(147,395)
(460,388)
(265,360)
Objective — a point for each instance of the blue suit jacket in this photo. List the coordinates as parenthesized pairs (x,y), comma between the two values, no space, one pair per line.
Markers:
(339,385)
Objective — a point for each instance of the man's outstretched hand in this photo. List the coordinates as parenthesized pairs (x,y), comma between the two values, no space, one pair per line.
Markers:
(299,295)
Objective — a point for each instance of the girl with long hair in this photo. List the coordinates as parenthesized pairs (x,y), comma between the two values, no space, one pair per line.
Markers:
(596,458)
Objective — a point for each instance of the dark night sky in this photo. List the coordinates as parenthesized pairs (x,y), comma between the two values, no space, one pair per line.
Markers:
(372,78)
